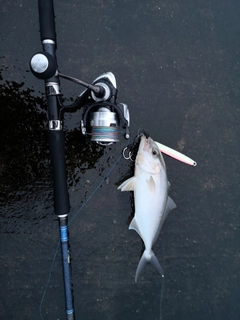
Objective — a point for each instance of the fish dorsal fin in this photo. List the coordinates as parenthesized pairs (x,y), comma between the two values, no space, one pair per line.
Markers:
(151,184)
(134,226)
(128,185)
(170,205)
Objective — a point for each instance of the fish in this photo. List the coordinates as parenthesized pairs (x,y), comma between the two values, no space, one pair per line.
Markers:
(151,200)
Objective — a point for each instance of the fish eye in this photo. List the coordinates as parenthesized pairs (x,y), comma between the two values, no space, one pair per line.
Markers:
(154,152)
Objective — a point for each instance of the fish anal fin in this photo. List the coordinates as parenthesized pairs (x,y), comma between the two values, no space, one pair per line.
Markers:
(134,226)
(128,185)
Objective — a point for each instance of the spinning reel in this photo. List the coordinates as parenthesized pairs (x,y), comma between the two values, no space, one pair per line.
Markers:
(103,119)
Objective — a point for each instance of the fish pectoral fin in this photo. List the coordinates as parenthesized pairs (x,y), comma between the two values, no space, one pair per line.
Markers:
(151,184)
(128,185)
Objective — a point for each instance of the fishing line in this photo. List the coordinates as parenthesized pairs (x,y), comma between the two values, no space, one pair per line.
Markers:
(98,186)
(75,215)
(49,278)
(101,133)
(161,299)
(162,288)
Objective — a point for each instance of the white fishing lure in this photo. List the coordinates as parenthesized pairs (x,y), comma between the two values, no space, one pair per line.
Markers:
(175,154)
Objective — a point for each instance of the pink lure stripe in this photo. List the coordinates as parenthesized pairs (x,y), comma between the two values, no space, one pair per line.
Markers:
(175,154)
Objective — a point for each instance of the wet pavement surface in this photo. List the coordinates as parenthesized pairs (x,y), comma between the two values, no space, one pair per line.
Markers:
(177,68)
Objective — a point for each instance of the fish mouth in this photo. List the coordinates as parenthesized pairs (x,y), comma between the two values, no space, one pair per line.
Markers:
(145,144)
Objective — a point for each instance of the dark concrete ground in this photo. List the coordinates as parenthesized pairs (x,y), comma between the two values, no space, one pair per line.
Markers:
(177,68)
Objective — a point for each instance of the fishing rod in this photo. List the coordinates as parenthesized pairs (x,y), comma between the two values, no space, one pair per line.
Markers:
(103,121)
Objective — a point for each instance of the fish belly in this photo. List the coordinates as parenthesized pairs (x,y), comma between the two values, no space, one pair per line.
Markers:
(149,207)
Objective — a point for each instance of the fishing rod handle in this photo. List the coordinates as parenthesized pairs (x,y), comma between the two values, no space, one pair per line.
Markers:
(57,155)
(46,19)
(56,134)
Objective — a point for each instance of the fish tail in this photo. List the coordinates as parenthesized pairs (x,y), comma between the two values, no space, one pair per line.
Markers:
(148,258)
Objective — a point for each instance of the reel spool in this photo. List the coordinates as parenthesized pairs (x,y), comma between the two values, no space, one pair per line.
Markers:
(104,124)
(102,121)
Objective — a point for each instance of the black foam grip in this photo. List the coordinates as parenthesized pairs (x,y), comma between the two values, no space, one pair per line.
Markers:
(46,19)
(57,153)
